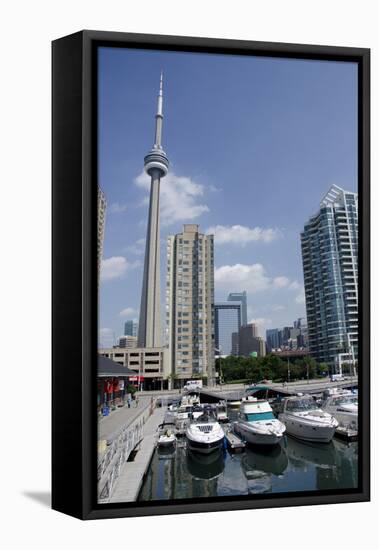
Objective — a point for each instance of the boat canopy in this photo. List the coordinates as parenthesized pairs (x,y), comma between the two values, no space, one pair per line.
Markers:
(254,417)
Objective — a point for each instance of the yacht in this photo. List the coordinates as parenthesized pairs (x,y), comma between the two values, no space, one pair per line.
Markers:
(343,405)
(257,424)
(305,420)
(205,435)
(166,435)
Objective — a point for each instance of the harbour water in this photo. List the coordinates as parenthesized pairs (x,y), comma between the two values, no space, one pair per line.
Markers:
(292,466)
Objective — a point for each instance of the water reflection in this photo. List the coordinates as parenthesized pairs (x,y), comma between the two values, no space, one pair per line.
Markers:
(258,465)
(205,466)
(293,466)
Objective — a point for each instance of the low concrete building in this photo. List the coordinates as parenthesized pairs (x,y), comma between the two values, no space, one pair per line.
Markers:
(149,364)
(127,341)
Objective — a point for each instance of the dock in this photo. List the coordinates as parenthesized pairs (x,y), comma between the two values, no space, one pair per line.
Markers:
(235,443)
(131,477)
(347,434)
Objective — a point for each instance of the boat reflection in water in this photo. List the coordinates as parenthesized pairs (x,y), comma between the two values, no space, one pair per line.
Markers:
(306,453)
(260,466)
(205,466)
(334,464)
(165,453)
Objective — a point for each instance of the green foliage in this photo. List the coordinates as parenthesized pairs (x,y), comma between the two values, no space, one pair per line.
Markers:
(269,367)
(131,389)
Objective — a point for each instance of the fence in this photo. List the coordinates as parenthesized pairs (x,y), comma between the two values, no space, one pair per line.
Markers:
(118,452)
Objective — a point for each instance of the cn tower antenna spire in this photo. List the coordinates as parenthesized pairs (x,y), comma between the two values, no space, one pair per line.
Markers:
(159,116)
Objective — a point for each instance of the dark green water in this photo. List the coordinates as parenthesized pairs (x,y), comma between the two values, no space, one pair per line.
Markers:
(292,466)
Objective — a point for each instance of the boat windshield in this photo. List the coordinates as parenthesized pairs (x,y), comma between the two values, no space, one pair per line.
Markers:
(300,405)
(343,399)
(254,417)
(207,416)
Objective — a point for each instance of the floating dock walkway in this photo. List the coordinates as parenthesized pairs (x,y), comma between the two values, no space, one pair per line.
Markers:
(234,442)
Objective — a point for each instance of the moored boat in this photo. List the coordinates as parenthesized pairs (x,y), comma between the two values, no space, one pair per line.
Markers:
(166,435)
(305,420)
(343,405)
(257,424)
(204,434)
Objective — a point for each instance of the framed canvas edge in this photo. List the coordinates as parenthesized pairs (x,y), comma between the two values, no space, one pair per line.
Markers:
(86,494)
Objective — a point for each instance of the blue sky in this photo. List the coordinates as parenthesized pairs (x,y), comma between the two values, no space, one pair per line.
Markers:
(254,143)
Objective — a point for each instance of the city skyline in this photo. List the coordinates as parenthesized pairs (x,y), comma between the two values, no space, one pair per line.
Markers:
(257,244)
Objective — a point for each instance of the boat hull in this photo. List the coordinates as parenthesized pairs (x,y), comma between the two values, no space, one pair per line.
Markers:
(301,430)
(166,443)
(204,447)
(254,438)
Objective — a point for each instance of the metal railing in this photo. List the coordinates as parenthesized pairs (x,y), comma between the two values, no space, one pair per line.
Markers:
(118,452)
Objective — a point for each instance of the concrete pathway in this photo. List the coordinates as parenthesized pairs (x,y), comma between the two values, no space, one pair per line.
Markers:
(109,426)
(129,482)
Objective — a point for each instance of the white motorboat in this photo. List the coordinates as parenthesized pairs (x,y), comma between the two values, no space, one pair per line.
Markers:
(343,405)
(205,435)
(305,419)
(257,424)
(221,412)
(166,435)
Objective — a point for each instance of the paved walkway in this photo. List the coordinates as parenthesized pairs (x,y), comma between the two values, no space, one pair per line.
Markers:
(109,426)
(129,482)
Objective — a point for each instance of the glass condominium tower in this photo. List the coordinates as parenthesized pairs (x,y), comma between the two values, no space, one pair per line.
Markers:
(240,297)
(227,323)
(329,245)
(190,304)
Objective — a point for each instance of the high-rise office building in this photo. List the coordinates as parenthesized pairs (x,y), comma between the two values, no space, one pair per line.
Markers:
(250,342)
(227,322)
(329,245)
(285,336)
(190,304)
(130,328)
(272,339)
(101,209)
(156,166)
(240,297)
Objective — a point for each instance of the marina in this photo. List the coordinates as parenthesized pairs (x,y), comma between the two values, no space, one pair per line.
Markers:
(229,447)
(292,466)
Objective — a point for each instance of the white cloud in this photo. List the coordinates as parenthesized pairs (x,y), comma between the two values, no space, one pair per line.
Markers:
(179,197)
(214,189)
(128,312)
(251,277)
(117,208)
(138,247)
(295,285)
(116,267)
(106,337)
(300,298)
(241,235)
(277,307)
(281,282)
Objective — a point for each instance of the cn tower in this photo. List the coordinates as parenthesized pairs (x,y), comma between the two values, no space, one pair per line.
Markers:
(156,165)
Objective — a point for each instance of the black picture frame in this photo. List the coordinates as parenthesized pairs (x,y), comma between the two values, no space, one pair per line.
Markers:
(74,316)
